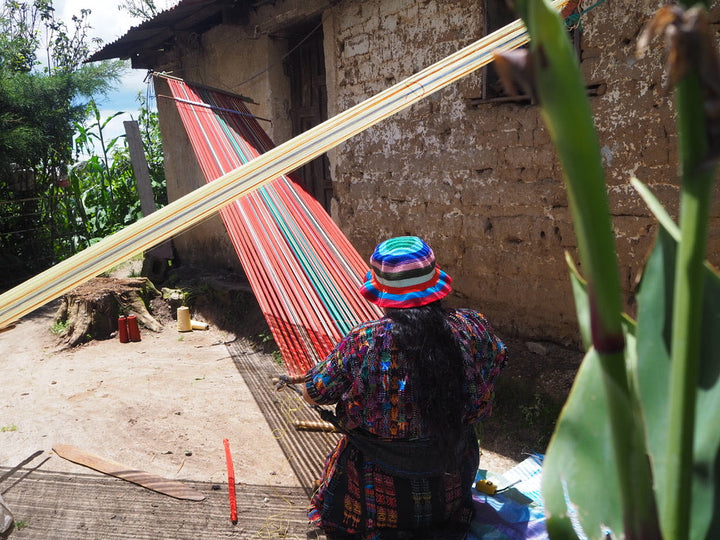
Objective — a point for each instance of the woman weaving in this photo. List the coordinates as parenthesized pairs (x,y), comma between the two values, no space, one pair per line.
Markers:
(408,389)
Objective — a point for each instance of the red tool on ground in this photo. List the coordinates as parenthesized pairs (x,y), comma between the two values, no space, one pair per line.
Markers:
(231,482)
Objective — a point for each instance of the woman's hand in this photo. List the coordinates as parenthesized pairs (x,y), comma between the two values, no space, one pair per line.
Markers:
(282,381)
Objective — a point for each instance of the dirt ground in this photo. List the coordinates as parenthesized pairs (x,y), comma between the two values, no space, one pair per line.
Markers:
(166,403)
(163,404)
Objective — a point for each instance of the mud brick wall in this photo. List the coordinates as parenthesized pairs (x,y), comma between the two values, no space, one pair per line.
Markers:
(479,181)
(482,183)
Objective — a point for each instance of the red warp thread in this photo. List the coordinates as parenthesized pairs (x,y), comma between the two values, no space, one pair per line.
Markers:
(303,270)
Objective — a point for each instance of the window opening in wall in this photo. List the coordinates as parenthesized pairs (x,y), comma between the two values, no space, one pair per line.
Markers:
(496,14)
(305,67)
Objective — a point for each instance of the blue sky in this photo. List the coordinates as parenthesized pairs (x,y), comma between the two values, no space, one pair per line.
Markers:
(110,23)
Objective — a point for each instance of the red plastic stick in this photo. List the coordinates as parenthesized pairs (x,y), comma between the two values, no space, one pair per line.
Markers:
(231,482)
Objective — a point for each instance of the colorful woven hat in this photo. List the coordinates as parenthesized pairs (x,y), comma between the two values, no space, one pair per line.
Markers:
(404,274)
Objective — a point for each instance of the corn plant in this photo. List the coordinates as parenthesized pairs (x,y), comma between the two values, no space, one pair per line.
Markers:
(103,193)
(635,452)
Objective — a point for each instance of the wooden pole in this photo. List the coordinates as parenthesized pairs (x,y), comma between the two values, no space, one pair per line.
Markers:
(143,183)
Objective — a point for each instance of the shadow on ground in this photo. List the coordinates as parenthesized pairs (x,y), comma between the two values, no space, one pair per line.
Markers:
(51,505)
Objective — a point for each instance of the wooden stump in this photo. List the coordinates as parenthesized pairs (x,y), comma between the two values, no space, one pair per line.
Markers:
(91,310)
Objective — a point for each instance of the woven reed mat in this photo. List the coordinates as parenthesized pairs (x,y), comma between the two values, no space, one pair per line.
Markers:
(305,450)
(59,506)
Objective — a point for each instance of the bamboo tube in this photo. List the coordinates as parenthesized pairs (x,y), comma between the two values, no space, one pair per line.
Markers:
(311,425)
(203,202)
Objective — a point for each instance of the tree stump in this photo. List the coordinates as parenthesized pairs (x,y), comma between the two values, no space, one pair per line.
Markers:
(91,310)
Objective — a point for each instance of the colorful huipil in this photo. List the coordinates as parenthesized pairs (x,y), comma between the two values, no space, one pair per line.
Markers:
(371,384)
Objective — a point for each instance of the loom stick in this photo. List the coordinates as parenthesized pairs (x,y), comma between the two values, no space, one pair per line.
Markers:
(153,482)
(314,425)
(205,201)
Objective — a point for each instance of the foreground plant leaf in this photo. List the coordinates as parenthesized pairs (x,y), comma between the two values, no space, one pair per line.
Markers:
(653,344)
(568,116)
(582,303)
(694,68)
(580,472)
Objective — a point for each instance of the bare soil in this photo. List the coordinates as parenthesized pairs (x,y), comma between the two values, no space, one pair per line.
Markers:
(166,403)
(163,404)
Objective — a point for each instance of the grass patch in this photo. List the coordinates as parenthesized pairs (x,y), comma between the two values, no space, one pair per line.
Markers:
(59,327)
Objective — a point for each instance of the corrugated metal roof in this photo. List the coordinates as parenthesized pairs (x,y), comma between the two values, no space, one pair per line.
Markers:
(145,43)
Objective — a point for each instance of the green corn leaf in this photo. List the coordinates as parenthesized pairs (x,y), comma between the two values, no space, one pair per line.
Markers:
(656,208)
(568,116)
(579,471)
(582,303)
(654,345)
(111,144)
(110,119)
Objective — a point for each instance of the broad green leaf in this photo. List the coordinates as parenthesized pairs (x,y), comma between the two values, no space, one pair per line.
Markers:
(653,346)
(567,113)
(582,304)
(582,438)
(579,469)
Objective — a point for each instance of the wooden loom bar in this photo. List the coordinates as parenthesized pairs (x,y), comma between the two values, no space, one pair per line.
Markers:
(194,207)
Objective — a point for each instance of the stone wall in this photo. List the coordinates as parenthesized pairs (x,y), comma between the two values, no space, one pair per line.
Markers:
(480,182)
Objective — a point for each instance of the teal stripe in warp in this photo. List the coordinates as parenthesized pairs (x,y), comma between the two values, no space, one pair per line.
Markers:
(334,304)
(322,284)
(351,319)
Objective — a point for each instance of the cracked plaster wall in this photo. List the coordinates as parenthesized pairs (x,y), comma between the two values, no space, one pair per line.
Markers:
(481,184)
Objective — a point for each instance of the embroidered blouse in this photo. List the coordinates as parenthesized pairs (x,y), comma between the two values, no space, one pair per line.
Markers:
(371,381)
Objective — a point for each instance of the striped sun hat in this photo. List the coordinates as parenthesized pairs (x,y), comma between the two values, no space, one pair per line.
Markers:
(404,274)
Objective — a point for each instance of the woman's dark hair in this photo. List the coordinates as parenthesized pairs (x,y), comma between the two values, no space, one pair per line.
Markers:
(424,336)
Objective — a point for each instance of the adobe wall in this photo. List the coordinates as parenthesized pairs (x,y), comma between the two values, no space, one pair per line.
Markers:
(480,183)
(483,185)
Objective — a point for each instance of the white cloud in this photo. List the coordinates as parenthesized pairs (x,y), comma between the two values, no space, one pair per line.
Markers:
(109,23)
